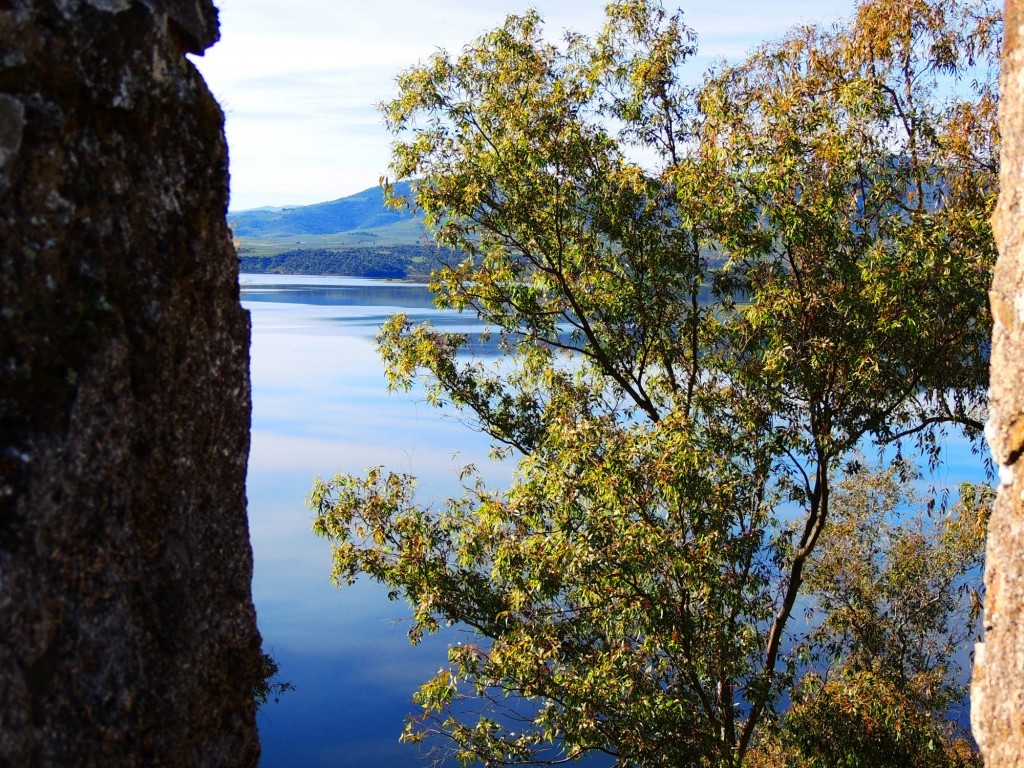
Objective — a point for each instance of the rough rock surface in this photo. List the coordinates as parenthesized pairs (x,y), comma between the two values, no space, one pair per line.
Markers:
(127,632)
(997,692)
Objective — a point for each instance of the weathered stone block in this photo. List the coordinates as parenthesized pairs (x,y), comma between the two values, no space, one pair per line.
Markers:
(127,632)
(997,689)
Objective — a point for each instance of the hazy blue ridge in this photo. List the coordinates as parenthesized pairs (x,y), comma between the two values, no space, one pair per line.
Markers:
(362,211)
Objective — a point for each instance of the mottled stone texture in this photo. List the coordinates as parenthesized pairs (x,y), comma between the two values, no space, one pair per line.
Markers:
(997,693)
(127,632)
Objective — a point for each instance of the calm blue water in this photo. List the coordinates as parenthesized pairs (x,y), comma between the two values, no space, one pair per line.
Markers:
(320,406)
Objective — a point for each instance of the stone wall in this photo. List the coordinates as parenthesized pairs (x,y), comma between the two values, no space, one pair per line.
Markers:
(997,694)
(127,632)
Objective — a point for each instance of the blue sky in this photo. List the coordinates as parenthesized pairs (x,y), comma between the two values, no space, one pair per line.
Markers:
(298,79)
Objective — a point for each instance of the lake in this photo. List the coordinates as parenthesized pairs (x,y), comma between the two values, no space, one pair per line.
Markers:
(320,406)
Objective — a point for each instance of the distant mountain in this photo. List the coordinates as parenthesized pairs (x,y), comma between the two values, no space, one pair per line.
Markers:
(356,235)
(364,211)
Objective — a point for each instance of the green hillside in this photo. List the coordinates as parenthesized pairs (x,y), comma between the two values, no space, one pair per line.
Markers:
(356,235)
(399,262)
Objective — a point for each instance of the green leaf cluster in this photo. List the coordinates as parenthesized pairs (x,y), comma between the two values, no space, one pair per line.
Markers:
(696,349)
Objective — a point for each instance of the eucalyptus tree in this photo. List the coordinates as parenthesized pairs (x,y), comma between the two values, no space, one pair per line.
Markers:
(709,298)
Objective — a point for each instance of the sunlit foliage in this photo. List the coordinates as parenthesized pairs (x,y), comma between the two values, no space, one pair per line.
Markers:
(710,298)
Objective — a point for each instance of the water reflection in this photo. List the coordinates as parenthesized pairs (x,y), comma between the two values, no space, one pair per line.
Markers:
(320,406)
(312,305)
(379,294)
